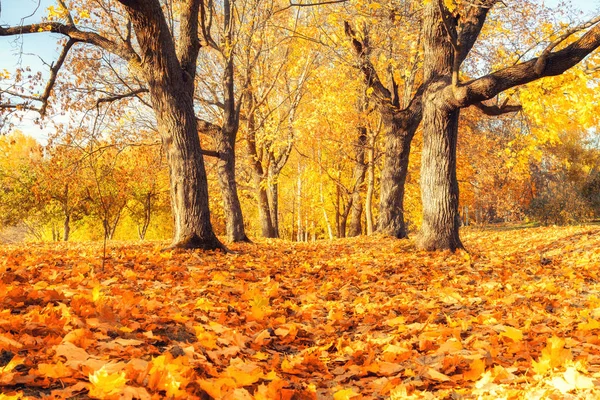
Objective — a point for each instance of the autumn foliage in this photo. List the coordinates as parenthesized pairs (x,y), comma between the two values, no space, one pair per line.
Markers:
(517,317)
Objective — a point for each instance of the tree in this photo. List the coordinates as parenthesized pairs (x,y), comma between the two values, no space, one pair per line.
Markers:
(449,35)
(400,113)
(61,179)
(167,65)
(19,155)
(276,83)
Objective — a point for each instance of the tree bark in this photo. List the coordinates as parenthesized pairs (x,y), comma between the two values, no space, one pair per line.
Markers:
(439,187)
(398,138)
(360,170)
(274,206)
(225,145)
(370,186)
(67,227)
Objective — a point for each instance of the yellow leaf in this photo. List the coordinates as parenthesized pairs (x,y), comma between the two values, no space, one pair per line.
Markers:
(577,379)
(244,373)
(345,394)
(512,333)
(589,325)
(104,384)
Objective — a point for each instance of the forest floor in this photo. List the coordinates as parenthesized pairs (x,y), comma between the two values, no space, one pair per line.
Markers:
(362,318)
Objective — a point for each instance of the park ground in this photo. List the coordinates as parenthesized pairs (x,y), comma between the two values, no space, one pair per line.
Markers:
(517,317)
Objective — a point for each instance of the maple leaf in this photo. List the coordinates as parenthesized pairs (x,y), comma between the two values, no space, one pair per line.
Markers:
(167,374)
(512,333)
(106,385)
(572,379)
(476,368)
(345,394)
(553,355)
(58,370)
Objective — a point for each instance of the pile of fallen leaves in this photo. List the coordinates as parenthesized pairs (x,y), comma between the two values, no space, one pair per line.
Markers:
(516,317)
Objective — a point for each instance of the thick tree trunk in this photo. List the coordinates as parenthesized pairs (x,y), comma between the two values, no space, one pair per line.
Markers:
(360,170)
(169,72)
(399,132)
(189,188)
(439,187)
(234,220)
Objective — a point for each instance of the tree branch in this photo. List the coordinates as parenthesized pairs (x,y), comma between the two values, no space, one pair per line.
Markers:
(361,48)
(541,62)
(69,16)
(75,34)
(206,127)
(53,74)
(121,96)
(206,19)
(497,110)
(556,63)
(320,3)
(19,107)
(189,43)
(210,153)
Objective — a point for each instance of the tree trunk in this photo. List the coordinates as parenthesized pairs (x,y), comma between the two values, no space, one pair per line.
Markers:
(189,188)
(264,211)
(299,199)
(439,187)
(360,170)
(274,209)
(170,72)
(147,215)
(234,220)
(67,227)
(399,133)
(370,186)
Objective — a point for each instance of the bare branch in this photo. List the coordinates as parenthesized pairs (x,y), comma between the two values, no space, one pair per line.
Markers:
(321,3)
(22,96)
(53,74)
(75,34)
(69,16)
(210,153)
(19,107)
(110,99)
(206,19)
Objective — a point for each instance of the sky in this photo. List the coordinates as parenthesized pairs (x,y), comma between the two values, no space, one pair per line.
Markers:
(29,50)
